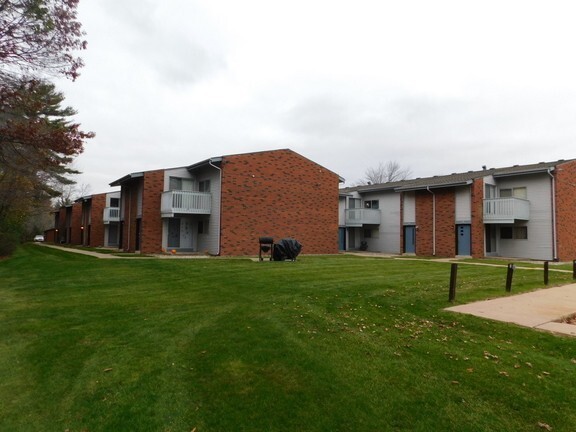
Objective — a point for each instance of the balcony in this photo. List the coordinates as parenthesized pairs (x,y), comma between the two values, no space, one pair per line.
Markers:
(184,202)
(506,210)
(361,216)
(111,214)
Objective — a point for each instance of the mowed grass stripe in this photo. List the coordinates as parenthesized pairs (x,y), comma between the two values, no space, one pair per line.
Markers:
(325,343)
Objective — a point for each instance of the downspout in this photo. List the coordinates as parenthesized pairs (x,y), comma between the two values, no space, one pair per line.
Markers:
(220,207)
(433,221)
(554,234)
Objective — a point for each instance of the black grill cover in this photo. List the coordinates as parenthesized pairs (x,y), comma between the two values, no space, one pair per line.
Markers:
(287,249)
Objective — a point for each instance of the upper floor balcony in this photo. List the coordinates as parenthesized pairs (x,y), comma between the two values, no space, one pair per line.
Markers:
(185,202)
(506,210)
(111,214)
(357,217)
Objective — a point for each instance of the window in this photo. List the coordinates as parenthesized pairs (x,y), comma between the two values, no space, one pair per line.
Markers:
(521,233)
(354,203)
(204,186)
(514,232)
(203,227)
(114,202)
(175,184)
(373,204)
(519,192)
(371,233)
(506,233)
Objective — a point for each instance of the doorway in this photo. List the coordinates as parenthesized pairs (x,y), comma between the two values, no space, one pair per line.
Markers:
(410,239)
(463,240)
(174,233)
(342,239)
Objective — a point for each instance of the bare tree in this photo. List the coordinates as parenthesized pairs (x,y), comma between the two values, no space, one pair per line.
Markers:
(385,172)
(68,193)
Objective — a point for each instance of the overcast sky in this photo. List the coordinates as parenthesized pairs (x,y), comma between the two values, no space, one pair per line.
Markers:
(438,86)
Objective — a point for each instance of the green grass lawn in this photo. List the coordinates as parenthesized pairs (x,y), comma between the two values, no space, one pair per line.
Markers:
(339,343)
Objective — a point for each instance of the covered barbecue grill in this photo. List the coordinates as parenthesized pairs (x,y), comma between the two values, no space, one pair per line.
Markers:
(286,249)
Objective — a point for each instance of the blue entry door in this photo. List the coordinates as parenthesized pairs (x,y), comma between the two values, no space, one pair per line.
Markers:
(409,239)
(463,241)
(342,239)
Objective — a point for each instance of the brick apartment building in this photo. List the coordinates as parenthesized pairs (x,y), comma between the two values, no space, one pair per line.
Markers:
(67,225)
(526,211)
(100,220)
(92,220)
(222,205)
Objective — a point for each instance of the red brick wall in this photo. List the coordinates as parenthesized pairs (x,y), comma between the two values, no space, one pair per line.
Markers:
(565,176)
(279,194)
(423,223)
(151,230)
(97,220)
(86,204)
(445,222)
(61,226)
(445,227)
(477,213)
(76,224)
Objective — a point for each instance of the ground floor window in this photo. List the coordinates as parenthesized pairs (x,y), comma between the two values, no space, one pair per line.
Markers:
(203,227)
(514,232)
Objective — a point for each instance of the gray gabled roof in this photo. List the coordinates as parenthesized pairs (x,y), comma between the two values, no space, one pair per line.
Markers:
(126,178)
(458,179)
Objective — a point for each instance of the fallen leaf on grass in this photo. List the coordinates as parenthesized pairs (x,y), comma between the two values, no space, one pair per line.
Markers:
(503,373)
(107,369)
(545,426)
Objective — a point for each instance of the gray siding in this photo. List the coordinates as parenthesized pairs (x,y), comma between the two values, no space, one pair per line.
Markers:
(409,211)
(386,236)
(539,243)
(463,205)
(210,242)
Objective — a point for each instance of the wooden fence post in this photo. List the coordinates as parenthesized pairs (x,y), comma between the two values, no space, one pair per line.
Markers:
(453,276)
(509,277)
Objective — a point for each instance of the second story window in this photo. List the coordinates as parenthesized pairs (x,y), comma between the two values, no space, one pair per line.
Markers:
(372,204)
(518,192)
(204,186)
(114,202)
(354,203)
(175,184)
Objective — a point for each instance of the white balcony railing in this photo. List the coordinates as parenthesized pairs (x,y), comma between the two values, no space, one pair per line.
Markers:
(362,216)
(111,214)
(185,202)
(506,210)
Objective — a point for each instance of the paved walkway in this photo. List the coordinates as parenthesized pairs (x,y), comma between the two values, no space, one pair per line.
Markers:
(80,251)
(112,256)
(539,309)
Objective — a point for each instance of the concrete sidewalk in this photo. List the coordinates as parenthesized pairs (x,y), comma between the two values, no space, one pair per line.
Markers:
(538,309)
(112,256)
(79,251)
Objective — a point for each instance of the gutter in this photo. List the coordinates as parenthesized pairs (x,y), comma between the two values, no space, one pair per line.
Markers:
(433,221)
(432,185)
(554,234)
(220,207)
